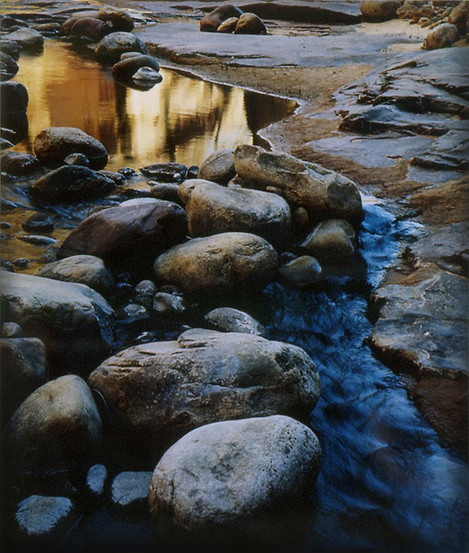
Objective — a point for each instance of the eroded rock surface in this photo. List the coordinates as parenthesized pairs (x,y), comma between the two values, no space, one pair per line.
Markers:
(161,390)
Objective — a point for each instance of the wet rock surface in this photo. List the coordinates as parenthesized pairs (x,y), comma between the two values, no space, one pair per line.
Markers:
(71,183)
(56,143)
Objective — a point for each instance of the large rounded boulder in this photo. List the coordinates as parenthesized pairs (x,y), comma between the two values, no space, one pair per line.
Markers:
(250,24)
(441,36)
(54,144)
(158,391)
(111,47)
(130,235)
(57,429)
(222,263)
(220,479)
(212,209)
(322,192)
(90,27)
(74,322)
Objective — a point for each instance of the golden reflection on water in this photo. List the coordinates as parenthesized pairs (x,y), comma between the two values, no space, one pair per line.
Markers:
(182,119)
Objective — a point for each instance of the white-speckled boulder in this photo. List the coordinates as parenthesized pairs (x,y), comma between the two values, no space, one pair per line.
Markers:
(221,478)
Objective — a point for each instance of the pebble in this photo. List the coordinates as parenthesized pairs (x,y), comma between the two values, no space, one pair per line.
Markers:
(38,223)
(5,225)
(21,262)
(129,493)
(38,240)
(11,330)
(127,171)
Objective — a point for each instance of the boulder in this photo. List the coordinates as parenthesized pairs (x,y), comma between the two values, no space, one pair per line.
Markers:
(118,20)
(186,188)
(459,16)
(68,24)
(210,22)
(229,25)
(441,36)
(219,166)
(42,520)
(130,235)
(82,269)
(165,191)
(8,67)
(379,10)
(219,264)
(14,96)
(71,183)
(54,144)
(23,369)
(129,494)
(212,209)
(331,241)
(227,319)
(219,480)
(301,272)
(159,391)
(74,322)
(111,47)
(90,27)
(126,68)
(250,24)
(57,430)
(323,193)
(18,163)
(10,47)
(165,172)
(29,39)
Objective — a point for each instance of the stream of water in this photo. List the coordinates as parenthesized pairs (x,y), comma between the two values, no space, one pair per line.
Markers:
(387,482)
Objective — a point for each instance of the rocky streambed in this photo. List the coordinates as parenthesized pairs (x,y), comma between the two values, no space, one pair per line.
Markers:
(196,355)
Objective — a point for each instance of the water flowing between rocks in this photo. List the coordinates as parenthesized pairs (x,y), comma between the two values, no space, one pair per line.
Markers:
(387,482)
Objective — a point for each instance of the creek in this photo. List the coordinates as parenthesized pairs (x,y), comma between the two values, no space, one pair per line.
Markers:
(387,482)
